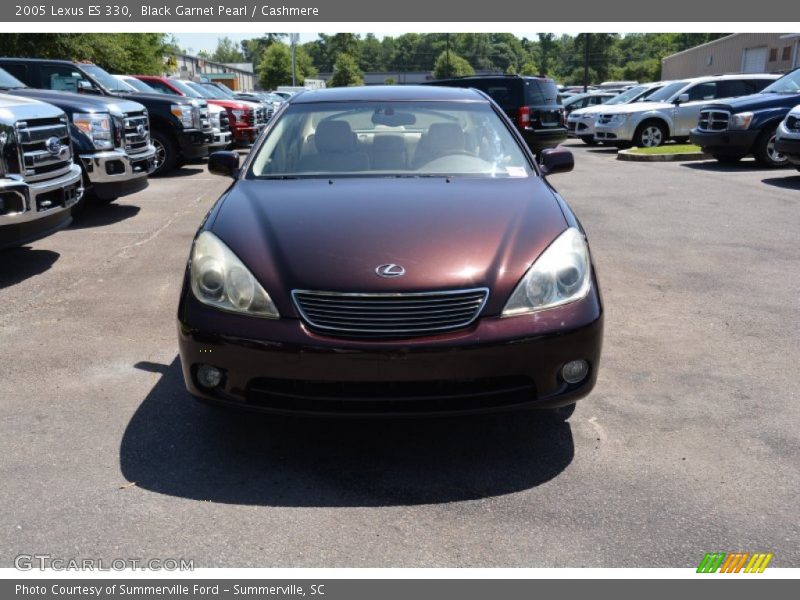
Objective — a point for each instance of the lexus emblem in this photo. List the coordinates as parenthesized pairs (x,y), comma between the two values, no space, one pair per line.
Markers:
(53,145)
(140,130)
(390,270)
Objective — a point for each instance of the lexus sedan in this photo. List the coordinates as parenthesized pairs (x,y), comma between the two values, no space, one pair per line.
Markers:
(390,251)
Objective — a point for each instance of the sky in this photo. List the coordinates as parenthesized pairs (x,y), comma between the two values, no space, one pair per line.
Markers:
(195,42)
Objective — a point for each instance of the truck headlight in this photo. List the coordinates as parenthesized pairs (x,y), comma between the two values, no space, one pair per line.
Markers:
(221,280)
(184,113)
(740,120)
(560,275)
(97,127)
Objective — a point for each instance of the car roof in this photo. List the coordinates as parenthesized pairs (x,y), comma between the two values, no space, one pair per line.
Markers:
(387,93)
(729,76)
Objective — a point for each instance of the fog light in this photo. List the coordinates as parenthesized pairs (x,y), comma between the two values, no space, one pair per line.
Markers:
(575,371)
(208,376)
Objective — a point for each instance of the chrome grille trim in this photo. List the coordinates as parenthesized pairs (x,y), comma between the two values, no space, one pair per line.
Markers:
(36,162)
(134,143)
(389,314)
(713,120)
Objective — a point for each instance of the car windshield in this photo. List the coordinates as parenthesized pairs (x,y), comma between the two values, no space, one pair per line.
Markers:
(627,96)
(200,90)
(667,92)
(788,84)
(221,89)
(104,78)
(184,88)
(139,86)
(210,91)
(411,139)
(8,81)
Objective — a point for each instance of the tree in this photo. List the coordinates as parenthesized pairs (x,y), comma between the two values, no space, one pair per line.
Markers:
(528,69)
(346,72)
(253,49)
(227,52)
(276,66)
(452,66)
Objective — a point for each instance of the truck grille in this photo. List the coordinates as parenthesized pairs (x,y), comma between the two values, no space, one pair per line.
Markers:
(45,151)
(205,120)
(257,117)
(137,132)
(713,120)
(389,315)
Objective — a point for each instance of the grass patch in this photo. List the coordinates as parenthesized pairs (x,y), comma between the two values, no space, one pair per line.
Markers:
(668,149)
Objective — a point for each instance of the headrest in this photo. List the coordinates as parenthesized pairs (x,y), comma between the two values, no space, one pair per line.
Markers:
(334,136)
(445,136)
(388,143)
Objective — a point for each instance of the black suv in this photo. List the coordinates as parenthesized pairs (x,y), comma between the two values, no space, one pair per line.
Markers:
(532,103)
(179,127)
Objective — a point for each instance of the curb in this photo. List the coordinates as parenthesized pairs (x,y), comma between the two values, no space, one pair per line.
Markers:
(681,156)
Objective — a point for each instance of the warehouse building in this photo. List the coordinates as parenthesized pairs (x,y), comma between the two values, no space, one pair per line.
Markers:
(736,53)
(237,76)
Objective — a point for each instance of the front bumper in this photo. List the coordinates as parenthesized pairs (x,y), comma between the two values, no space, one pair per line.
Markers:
(615,132)
(547,137)
(581,128)
(246,135)
(222,139)
(496,364)
(194,143)
(725,143)
(787,142)
(31,211)
(116,173)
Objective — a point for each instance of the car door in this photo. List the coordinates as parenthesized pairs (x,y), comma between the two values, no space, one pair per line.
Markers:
(685,114)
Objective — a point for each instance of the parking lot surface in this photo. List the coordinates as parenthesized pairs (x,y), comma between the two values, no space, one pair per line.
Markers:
(688,444)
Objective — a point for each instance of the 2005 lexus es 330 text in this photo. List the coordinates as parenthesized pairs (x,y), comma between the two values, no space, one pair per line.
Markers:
(388,251)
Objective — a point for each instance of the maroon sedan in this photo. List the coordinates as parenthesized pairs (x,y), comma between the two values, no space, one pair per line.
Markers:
(390,250)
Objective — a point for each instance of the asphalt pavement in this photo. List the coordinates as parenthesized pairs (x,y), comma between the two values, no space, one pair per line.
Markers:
(688,444)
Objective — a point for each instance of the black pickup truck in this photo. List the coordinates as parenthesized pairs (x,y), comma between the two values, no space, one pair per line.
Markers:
(177,128)
(109,137)
(747,125)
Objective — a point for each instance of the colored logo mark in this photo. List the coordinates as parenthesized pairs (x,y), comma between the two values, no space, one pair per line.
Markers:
(737,562)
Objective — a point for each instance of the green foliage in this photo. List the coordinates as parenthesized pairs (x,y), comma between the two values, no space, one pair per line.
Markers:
(451,65)
(140,53)
(227,51)
(275,67)
(346,72)
(528,69)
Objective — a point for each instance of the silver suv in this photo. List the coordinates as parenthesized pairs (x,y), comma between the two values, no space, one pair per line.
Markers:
(787,138)
(672,111)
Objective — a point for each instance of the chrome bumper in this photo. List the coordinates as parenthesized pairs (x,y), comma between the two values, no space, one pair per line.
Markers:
(118,165)
(221,138)
(33,201)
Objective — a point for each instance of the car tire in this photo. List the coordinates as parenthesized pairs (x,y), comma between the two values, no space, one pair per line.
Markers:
(166,153)
(588,140)
(650,134)
(765,153)
(727,160)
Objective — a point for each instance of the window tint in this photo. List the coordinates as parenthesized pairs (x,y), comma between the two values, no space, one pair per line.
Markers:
(159,86)
(704,91)
(501,92)
(735,87)
(18,71)
(540,92)
(63,78)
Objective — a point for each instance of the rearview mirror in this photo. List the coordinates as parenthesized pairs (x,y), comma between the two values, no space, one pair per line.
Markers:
(682,98)
(556,160)
(224,163)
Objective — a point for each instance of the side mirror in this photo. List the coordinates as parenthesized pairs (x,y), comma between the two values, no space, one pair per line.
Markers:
(85,87)
(682,98)
(555,160)
(224,163)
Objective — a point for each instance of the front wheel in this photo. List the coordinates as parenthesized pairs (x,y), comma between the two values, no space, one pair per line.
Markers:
(166,153)
(588,140)
(650,135)
(765,152)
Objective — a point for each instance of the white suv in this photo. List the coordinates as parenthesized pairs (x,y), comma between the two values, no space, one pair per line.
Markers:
(787,138)
(672,111)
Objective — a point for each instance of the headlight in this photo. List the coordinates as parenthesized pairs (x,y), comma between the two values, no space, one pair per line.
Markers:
(740,120)
(184,113)
(618,119)
(97,127)
(560,275)
(588,116)
(220,279)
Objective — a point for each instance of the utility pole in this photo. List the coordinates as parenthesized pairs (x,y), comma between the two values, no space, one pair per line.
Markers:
(293,37)
(586,39)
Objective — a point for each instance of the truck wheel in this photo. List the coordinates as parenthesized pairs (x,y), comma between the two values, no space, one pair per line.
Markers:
(727,160)
(589,140)
(166,153)
(650,134)
(764,150)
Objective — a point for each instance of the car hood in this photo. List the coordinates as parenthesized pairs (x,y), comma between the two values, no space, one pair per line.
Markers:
(331,235)
(636,107)
(758,102)
(80,102)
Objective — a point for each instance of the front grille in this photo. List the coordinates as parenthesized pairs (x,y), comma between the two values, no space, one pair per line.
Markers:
(713,120)
(205,120)
(136,139)
(793,123)
(389,315)
(364,397)
(39,157)
(224,121)
(257,117)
